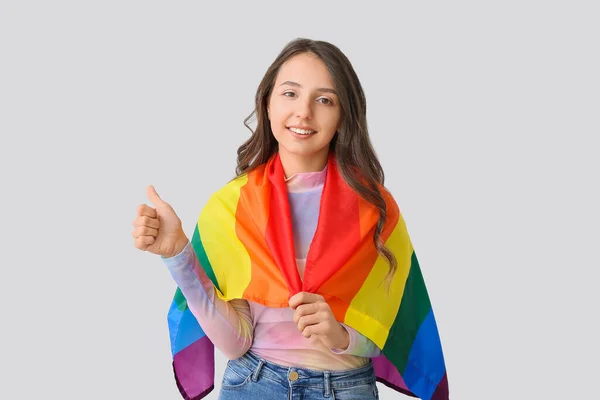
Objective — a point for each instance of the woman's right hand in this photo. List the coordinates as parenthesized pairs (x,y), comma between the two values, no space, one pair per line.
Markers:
(158,230)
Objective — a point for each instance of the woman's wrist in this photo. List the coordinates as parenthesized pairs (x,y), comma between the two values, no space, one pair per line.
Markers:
(179,246)
(345,342)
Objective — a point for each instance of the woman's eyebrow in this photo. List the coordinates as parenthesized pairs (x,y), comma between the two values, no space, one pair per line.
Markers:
(295,84)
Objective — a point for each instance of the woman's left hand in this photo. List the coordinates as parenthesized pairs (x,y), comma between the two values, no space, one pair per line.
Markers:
(314,317)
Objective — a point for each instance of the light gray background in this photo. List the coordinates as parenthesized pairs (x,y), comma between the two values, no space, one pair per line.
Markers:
(485,117)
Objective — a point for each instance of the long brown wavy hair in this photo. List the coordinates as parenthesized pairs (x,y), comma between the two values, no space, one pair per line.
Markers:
(354,153)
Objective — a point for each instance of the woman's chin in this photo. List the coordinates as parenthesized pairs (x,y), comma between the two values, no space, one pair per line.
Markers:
(298,150)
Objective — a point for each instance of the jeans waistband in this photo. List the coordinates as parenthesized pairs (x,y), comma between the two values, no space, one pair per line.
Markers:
(306,377)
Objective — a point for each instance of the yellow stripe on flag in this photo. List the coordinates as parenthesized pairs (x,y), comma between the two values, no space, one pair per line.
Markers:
(383,304)
(226,253)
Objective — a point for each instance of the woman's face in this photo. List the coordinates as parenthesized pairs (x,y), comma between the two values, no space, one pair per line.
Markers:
(304,108)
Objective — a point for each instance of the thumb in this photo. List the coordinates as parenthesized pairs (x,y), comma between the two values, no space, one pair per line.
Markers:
(154,197)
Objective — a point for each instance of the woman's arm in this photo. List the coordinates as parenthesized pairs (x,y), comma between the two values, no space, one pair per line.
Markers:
(228,325)
(360,345)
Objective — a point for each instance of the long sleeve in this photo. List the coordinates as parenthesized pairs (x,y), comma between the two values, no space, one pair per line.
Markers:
(228,325)
(360,345)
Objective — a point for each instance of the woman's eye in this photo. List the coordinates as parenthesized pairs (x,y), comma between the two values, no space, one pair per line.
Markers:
(289,94)
(325,101)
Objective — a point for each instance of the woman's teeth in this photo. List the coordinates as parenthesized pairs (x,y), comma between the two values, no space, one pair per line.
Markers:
(301,131)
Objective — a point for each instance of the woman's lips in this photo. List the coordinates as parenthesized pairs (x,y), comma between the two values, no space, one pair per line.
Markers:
(299,135)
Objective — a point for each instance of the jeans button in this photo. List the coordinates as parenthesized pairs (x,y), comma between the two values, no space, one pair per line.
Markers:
(293,375)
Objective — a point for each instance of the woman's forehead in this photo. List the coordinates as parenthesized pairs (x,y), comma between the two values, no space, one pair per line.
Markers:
(305,71)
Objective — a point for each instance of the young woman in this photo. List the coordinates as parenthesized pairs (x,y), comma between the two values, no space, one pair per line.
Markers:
(308,192)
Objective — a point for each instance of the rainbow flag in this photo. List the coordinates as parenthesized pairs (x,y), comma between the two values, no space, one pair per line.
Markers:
(243,240)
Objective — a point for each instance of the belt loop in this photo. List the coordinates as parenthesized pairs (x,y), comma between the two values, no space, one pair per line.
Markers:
(327,384)
(257,370)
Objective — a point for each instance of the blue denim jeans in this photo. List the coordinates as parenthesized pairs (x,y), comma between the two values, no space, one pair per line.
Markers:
(251,377)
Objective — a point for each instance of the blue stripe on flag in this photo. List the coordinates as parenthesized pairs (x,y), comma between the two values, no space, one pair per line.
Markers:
(425,367)
(183,328)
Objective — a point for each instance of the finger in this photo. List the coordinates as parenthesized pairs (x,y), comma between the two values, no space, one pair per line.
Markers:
(143,242)
(303,298)
(307,320)
(144,231)
(147,211)
(146,221)
(154,197)
(313,308)
(322,328)
(305,309)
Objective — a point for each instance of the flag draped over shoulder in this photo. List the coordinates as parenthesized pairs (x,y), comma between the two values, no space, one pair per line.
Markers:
(243,240)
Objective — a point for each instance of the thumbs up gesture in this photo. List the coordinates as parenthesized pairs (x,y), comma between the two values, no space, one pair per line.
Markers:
(158,230)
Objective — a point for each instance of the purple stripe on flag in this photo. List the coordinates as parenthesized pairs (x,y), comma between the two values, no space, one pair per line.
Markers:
(388,374)
(441,392)
(194,369)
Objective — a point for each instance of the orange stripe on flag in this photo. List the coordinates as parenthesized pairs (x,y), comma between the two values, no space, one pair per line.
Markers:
(252,214)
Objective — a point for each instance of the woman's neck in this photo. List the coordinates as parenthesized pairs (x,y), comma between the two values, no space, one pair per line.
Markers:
(294,164)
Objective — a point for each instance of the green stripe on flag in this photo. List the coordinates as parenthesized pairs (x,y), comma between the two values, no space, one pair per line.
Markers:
(414,308)
(202,257)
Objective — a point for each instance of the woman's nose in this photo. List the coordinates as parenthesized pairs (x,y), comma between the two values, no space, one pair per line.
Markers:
(304,109)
